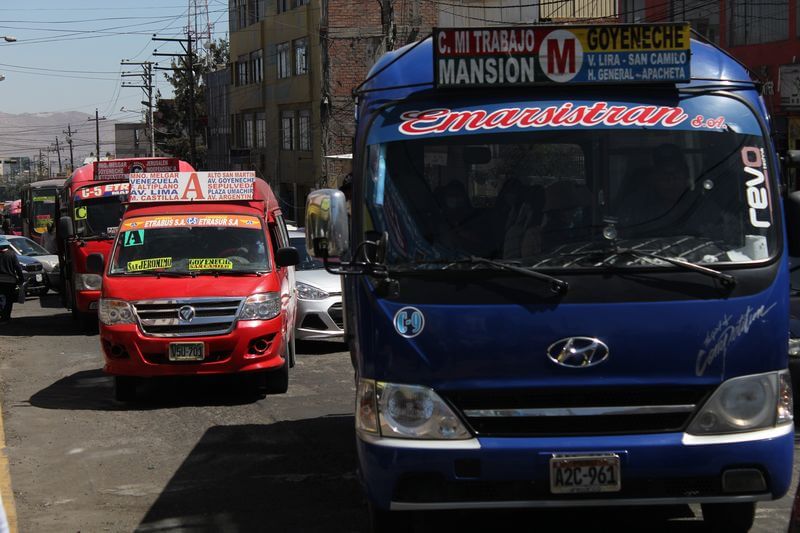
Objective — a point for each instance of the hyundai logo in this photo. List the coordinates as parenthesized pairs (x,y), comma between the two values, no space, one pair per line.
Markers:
(578,352)
(186,313)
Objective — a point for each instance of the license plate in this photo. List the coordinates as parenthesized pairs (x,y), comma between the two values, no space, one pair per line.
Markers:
(580,474)
(186,351)
(38,277)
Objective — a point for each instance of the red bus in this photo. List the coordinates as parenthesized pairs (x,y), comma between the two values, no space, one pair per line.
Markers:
(91,205)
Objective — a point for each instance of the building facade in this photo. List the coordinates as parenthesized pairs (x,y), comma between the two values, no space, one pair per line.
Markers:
(218,134)
(131,140)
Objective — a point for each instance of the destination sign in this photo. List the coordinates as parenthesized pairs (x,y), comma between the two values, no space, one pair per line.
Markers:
(519,56)
(114,169)
(192,186)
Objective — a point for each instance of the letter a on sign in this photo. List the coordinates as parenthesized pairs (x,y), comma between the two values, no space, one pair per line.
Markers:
(133,238)
(193,186)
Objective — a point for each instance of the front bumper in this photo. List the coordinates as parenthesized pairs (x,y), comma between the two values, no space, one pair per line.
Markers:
(128,352)
(87,301)
(497,472)
(32,284)
(320,319)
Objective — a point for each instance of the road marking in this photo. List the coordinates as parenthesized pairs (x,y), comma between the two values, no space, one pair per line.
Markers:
(5,482)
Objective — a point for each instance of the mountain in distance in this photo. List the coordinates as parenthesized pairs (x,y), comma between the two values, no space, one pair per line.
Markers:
(22,135)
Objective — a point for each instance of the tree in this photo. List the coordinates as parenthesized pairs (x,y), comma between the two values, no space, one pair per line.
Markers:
(172,120)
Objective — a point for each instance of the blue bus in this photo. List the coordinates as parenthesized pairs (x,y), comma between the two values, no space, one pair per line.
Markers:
(565,275)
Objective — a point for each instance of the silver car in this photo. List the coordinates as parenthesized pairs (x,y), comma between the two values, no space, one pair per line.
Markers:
(319,297)
(28,248)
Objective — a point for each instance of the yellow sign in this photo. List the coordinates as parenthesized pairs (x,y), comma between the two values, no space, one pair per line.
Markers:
(149,264)
(211,263)
(45,199)
(81,213)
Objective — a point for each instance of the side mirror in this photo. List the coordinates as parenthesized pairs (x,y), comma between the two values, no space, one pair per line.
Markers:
(96,263)
(792,207)
(287,256)
(326,223)
(65,227)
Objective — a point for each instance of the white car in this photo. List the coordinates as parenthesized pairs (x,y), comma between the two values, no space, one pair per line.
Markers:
(28,248)
(319,297)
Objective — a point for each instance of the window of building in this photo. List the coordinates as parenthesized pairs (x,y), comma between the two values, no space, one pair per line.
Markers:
(287,130)
(283,5)
(256,10)
(298,3)
(241,70)
(247,140)
(758,22)
(282,52)
(237,14)
(261,130)
(256,67)
(300,56)
(304,130)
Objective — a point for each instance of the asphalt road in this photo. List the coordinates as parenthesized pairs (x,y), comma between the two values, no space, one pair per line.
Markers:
(199,455)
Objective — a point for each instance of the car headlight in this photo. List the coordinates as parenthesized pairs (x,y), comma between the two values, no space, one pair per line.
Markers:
(309,292)
(746,403)
(114,312)
(794,347)
(405,411)
(262,306)
(88,282)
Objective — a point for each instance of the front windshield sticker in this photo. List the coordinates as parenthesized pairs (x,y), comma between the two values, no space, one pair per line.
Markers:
(192,220)
(45,199)
(211,263)
(100,191)
(111,231)
(81,213)
(409,322)
(133,238)
(149,264)
(725,334)
(757,187)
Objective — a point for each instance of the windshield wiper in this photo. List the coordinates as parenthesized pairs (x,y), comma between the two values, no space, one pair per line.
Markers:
(173,274)
(558,286)
(216,272)
(727,280)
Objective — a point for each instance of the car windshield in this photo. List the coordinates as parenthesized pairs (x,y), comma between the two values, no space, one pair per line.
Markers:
(306,262)
(98,216)
(27,247)
(190,244)
(547,197)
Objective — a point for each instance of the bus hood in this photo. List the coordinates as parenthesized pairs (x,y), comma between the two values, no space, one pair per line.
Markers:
(134,288)
(517,346)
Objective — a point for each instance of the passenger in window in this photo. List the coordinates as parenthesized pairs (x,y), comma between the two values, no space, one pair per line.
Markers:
(523,234)
(459,224)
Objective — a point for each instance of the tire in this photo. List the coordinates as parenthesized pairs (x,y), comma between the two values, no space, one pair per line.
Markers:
(383,521)
(276,381)
(729,517)
(125,388)
(291,353)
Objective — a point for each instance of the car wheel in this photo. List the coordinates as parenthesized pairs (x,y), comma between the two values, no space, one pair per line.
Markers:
(729,517)
(277,381)
(291,352)
(125,388)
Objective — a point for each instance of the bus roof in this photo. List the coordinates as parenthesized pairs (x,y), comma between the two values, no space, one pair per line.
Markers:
(84,175)
(45,183)
(408,70)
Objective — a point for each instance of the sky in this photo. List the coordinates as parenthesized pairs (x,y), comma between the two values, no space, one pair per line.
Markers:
(67,54)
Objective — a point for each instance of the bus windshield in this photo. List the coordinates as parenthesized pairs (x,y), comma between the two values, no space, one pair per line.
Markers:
(98,216)
(563,199)
(43,208)
(190,244)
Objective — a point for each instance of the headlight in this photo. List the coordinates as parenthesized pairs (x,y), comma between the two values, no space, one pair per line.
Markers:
(794,347)
(261,306)
(405,411)
(746,403)
(88,282)
(309,292)
(114,312)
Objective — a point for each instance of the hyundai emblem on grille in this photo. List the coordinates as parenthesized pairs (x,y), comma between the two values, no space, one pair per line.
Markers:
(578,352)
(186,313)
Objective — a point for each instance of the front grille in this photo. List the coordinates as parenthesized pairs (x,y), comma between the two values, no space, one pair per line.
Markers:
(335,311)
(433,488)
(585,411)
(212,316)
(34,267)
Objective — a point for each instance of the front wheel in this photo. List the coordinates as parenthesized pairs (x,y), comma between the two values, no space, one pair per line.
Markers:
(729,517)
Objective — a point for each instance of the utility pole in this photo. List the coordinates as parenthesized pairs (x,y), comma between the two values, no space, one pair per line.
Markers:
(97,118)
(58,153)
(187,45)
(147,87)
(69,141)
